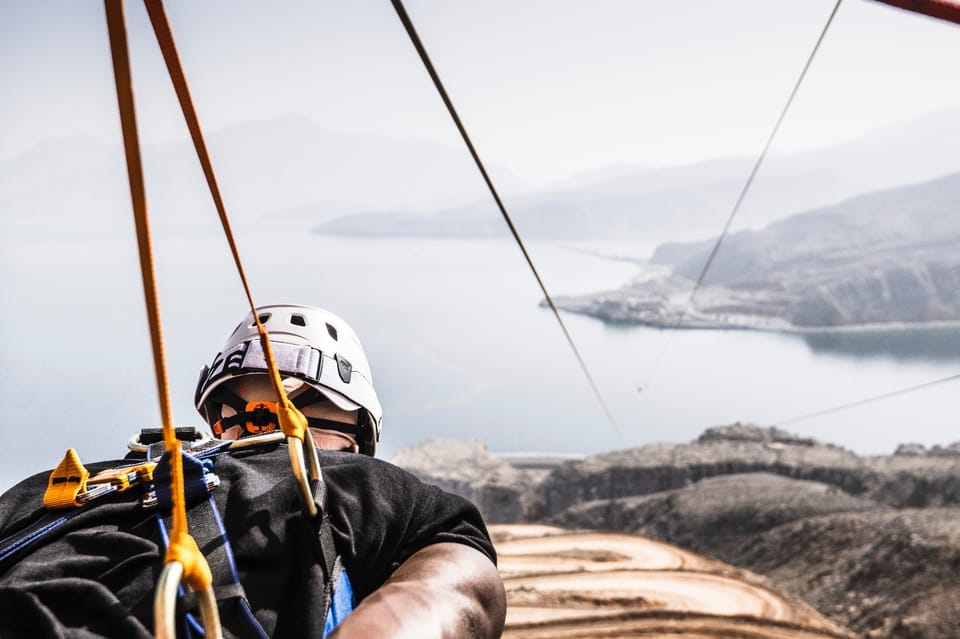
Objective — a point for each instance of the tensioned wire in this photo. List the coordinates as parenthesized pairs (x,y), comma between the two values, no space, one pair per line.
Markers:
(740,198)
(867,400)
(428,64)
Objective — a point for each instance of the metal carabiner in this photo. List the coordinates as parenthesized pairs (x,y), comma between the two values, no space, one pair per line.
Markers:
(165,605)
(302,473)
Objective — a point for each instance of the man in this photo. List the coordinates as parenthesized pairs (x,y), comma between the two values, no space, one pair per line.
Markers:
(419,559)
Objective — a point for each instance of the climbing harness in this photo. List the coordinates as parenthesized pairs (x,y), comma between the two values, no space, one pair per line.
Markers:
(153,476)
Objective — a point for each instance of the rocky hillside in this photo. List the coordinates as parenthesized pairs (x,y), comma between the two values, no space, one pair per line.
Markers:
(877,258)
(873,542)
(468,468)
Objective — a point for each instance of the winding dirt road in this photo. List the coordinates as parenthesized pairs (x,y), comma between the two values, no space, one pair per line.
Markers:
(564,584)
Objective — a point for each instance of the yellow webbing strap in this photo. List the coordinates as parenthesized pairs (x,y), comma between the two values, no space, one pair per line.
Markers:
(66,482)
(292,421)
(182,548)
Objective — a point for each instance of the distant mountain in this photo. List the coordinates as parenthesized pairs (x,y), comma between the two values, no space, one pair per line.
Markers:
(895,155)
(696,197)
(883,257)
(288,168)
(622,200)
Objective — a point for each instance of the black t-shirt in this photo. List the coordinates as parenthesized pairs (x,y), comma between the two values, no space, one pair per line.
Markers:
(95,575)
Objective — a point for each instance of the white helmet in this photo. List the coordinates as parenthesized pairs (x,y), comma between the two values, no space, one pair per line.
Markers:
(309,344)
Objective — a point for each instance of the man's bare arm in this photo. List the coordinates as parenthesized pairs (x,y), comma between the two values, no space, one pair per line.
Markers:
(445,590)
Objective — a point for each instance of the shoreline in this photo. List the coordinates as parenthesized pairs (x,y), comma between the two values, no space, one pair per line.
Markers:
(776,326)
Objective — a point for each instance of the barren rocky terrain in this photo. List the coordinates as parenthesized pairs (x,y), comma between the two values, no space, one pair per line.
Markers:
(871,542)
(594,584)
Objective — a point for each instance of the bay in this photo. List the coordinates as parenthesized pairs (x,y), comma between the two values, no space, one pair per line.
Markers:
(458,342)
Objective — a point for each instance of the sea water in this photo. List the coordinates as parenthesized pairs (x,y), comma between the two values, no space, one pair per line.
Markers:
(459,344)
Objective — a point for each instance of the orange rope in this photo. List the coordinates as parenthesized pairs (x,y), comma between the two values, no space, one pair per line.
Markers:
(292,421)
(182,546)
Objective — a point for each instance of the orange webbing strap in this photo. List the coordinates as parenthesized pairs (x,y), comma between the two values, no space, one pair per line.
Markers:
(292,421)
(182,548)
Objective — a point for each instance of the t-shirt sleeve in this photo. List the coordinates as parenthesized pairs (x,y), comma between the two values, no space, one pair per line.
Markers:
(381,515)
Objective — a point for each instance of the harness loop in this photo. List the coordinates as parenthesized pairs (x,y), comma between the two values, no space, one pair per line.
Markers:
(67,481)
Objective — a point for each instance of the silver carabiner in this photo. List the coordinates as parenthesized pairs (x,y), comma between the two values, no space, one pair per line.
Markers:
(165,605)
(301,472)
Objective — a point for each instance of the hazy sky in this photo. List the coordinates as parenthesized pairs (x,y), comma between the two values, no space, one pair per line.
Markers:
(547,88)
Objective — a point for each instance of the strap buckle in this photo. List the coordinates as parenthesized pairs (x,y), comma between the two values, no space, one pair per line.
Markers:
(261,417)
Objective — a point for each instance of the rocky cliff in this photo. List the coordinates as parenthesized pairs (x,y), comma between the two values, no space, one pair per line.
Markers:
(900,481)
(469,469)
(873,259)
(874,542)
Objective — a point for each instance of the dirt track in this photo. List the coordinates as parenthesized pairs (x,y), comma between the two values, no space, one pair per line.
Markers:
(589,584)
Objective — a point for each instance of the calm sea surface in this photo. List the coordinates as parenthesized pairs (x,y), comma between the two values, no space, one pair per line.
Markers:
(459,348)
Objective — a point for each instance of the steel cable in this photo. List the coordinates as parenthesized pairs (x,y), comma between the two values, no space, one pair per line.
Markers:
(743,194)
(868,400)
(428,64)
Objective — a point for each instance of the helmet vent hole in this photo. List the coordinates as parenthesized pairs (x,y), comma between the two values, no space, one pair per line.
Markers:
(263,319)
(332,331)
(298,320)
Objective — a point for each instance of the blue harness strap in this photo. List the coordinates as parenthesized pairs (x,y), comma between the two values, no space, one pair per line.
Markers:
(13,545)
(206,525)
(342,601)
(338,598)
(235,614)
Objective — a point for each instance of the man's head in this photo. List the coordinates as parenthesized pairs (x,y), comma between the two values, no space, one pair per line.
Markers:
(325,374)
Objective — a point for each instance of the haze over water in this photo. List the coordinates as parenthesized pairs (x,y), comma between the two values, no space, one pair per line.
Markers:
(458,343)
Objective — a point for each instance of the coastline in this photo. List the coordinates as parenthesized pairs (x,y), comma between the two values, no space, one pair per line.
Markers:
(789,329)
(653,300)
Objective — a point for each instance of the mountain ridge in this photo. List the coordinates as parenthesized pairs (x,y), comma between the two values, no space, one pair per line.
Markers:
(623,200)
(882,258)
(264,167)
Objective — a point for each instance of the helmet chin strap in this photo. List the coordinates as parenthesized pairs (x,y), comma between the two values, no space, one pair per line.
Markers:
(259,417)
(226,396)
(262,418)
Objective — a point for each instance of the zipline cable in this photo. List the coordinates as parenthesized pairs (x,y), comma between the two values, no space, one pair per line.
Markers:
(428,64)
(868,400)
(743,193)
